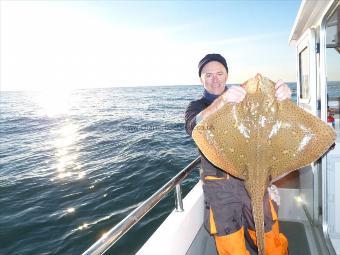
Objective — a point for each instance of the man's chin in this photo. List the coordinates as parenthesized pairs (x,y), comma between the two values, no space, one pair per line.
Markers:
(217,92)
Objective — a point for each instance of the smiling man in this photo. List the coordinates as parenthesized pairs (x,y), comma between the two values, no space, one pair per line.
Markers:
(228,214)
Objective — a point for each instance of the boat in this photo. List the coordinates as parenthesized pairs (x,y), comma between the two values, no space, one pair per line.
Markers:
(310,198)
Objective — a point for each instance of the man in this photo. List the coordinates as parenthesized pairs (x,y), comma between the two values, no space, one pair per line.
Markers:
(228,214)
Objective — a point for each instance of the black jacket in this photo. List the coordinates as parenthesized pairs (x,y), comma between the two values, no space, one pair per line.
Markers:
(194,108)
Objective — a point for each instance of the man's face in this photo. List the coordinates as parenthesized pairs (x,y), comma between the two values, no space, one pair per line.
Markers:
(214,77)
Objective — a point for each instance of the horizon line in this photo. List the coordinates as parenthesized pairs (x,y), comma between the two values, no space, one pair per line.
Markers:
(128,86)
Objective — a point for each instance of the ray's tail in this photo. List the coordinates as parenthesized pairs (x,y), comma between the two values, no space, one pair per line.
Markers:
(256,193)
(259,223)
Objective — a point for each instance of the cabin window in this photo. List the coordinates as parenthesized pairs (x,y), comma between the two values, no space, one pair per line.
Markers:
(304,74)
(333,67)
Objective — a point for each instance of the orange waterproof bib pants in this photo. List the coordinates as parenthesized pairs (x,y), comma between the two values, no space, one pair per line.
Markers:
(228,216)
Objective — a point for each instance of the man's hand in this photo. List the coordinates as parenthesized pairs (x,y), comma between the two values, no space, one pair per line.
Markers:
(235,94)
(283,92)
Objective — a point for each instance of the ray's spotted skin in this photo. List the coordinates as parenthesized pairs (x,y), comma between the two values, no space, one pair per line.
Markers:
(249,141)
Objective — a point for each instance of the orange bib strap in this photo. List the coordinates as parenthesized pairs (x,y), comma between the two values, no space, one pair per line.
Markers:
(272,209)
(213,229)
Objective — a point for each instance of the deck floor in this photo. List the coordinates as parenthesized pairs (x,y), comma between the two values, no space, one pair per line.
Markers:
(204,244)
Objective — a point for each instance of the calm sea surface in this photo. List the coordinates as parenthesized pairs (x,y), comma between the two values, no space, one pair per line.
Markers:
(73,165)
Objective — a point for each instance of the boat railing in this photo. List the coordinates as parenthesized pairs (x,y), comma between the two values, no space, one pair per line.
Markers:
(115,233)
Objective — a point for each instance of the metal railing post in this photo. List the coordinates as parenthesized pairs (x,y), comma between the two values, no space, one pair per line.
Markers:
(179,202)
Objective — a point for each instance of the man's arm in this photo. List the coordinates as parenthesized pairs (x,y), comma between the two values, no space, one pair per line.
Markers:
(195,114)
(233,95)
(193,109)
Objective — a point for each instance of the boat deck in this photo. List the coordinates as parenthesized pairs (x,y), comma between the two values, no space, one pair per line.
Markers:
(185,229)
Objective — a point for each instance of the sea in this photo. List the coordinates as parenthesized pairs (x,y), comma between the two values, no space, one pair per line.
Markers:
(75,163)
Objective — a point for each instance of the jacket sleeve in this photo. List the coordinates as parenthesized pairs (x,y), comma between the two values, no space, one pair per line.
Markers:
(192,110)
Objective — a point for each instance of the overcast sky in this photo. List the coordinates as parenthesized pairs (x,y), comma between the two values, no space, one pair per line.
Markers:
(81,44)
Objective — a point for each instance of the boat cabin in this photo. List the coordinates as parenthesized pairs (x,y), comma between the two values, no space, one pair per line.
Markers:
(316,37)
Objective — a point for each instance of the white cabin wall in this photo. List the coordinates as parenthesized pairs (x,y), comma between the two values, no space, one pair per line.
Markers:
(309,180)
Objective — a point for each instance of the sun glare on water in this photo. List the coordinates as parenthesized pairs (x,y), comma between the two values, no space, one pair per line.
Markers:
(68,165)
(54,102)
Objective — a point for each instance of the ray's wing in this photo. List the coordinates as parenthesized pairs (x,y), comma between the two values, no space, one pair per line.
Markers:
(222,142)
(299,139)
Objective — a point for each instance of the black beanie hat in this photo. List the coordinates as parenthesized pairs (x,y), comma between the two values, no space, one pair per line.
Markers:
(211,57)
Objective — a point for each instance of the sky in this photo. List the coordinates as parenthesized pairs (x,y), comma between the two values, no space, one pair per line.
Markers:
(87,44)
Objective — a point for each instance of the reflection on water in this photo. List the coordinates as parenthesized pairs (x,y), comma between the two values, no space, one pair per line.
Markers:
(67,155)
(71,210)
(56,103)
(85,225)
(53,102)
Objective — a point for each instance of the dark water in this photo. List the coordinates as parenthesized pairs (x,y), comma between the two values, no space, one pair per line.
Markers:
(73,165)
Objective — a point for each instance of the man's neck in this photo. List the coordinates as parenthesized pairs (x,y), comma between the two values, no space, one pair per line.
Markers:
(209,97)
